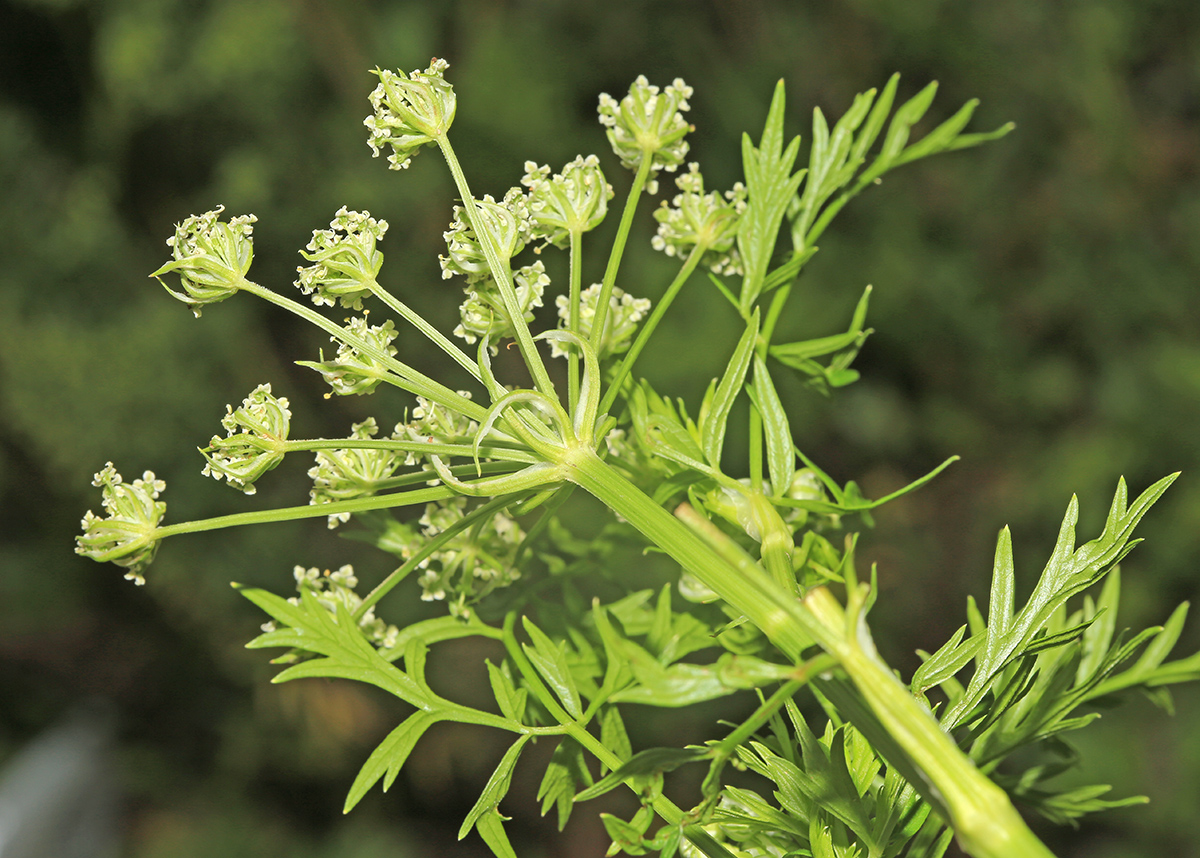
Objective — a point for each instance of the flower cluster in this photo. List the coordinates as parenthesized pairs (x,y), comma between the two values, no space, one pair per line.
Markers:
(697,219)
(433,422)
(471,564)
(353,372)
(410,111)
(210,257)
(483,312)
(126,535)
(624,313)
(337,588)
(648,123)
(345,261)
(257,433)
(353,472)
(506,222)
(575,200)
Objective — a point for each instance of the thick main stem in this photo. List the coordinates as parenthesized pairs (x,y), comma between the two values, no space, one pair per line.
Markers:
(986,823)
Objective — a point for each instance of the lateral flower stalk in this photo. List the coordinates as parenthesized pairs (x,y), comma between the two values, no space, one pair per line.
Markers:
(501,272)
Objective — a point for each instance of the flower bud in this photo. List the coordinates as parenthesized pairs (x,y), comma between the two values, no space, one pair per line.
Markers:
(345,261)
(125,536)
(351,371)
(257,432)
(484,314)
(507,222)
(696,218)
(353,473)
(624,313)
(211,258)
(574,200)
(410,111)
(648,124)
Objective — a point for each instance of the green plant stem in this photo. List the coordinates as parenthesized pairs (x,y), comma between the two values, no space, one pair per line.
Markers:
(986,823)
(618,249)
(756,444)
(778,300)
(501,272)
(429,547)
(508,454)
(408,378)
(433,334)
(573,291)
(648,328)
(320,510)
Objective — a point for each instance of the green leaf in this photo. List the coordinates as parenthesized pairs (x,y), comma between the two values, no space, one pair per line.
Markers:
(509,698)
(952,657)
(565,775)
(1069,571)
(770,186)
(613,735)
(793,353)
(347,653)
(550,659)
(491,829)
(496,787)
(625,836)
(390,756)
(652,761)
(781,460)
(1066,807)
(713,424)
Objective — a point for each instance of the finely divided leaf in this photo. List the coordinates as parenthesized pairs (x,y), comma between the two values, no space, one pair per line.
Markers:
(771,187)
(389,757)
(713,423)
(781,460)
(550,659)
(496,787)
(649,762)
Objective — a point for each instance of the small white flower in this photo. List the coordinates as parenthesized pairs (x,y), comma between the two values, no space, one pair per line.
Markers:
(624,313)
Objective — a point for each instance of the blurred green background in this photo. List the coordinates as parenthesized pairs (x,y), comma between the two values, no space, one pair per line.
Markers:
(1035,301)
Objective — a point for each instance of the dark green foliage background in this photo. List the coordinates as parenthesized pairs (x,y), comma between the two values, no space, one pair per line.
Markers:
(1036,306)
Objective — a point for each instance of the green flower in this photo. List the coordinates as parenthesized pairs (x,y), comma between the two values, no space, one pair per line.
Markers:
(624,313)
(345,261)
(353,473)
(410,111)
(353,372)
(696,218)
(483,312)
(506,221)
(575,199)
(648,124)
(126,535)
(472,564)
(211,257)
(255,443)
(436,423)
